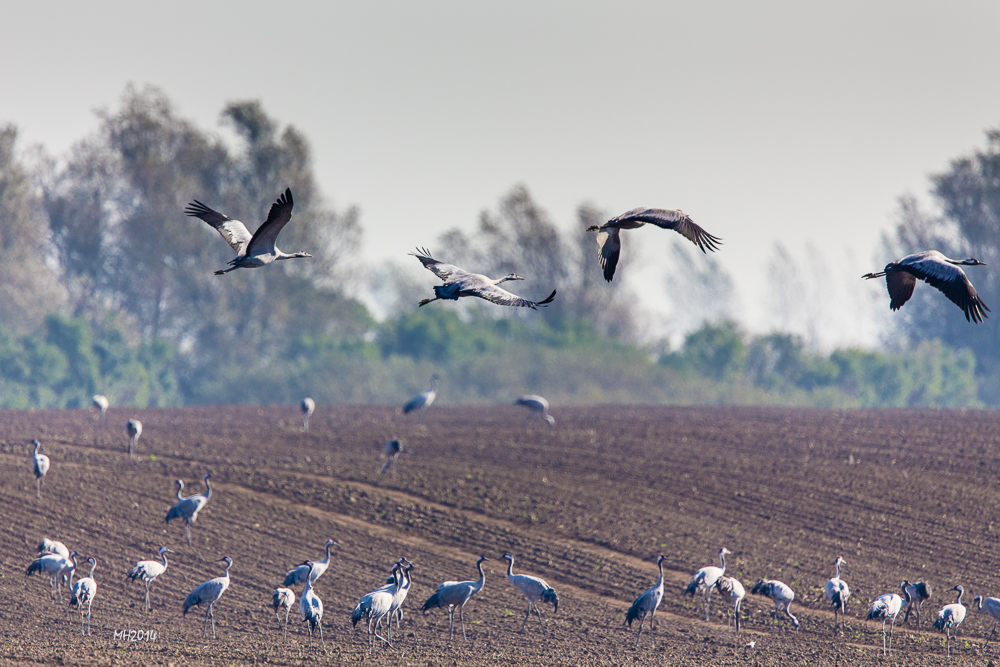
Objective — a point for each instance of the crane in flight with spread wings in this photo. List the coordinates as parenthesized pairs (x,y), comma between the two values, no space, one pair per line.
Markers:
(251,251)
(938,271)
(458,283)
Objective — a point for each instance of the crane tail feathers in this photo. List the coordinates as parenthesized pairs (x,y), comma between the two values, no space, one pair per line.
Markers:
(432,602)
(550,596)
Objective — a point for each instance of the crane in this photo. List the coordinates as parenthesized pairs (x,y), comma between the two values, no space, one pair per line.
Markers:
(308,407)
(311,606)
(938,271)
(423,400)
(84,591)
(459,283)
(134,429)
(55,566)
(101,403)
(41,465)
(888,607)
(188,508)
(251,251)
(733,592)
(391,450)
(533,589)
(647,603)
(209,593)
(781,594)
(992,606)
(918,593)
(148,570)
(609,244)
(283,598)
(951,616)
(363,608)
(837,592)
(538,405)
(47,546)
(299,574)
(453,594)
(377,606)
(704,580)
(400,597)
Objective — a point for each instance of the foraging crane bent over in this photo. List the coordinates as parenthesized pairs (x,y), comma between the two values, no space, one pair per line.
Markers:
(938,271)
(533,589)
(781,594)
(55,566)
(312,572)
(837,592)
(101,403)
(209,593)
(134,430)
(459,283)
(423,400)
(453,594)
(703,580)
(47,546)
(609,244)
(377,606)
(538,405)
(391,450)
(992,606)
(951,616)
(41,466)
(83,593)
(283,598)
(308,407)
(918,593)
(733,592)
(311,607)
(148,570)
(188,508)
(887,607)
(251,251)
(647,603)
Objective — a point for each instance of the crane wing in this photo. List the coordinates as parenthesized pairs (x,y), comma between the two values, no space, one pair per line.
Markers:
(609,248)
(678,221)
(279,215)
(233,231)
(502,297)
(449,273)
(952,281)
(900,285)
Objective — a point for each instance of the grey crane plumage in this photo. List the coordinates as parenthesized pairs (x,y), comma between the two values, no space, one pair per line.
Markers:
(950,616)
(308,406)
(938,271)
(189,507)
(312,572)
(609,243)
(887,607)
(992,607)
(283,598)
(209,593)
(396,611)
(134,429)
(703,580)
(56,566)
(424,399)
(538,405)
(534,589)
(837,592)
(40,464)
(84,592)
(392,450)
(377,606)
(257,250)
(101,403)
(47,546)
(918,593)
(453,594)
(459,283)
(148,570)
(733,592)
(311,607)
(647,604)
(781,594)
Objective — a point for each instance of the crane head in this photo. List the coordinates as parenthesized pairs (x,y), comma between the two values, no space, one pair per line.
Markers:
(724,551)
(164,550)
(660,559)
(513,276)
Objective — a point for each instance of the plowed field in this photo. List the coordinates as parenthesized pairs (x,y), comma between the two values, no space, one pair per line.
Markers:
(587,505)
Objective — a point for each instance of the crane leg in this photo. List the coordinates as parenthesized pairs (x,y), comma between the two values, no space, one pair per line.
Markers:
(38,489)
(642,619)
(89,602)
(451,623)
(991,634)
(527,613)
(736,613)
(883,637)
(284,635)
(187,527)
(321,640)
(149,607)
(461,618)
(538,614)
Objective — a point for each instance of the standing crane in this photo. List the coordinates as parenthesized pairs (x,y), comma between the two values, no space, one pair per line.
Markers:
(311,607)
(781,594)
(41,465)
(453,594)
(992,606)
(209,593)
(837,592)
(102,403)
(400,597)
(888,607)
(56,566)
(951,616)
(459,283)
(918,593)
(308,407)
(363,608)
(251,251)
(134,429)
(538,405)
(283,598)
(148,570)
(423,400)
(703,580)
(609,244)
(733,592)
(377,606)
(313,571)
(391,450)
(188,508)
(938,271)
(533,589)
(83,593)
(47,546)
(647,603)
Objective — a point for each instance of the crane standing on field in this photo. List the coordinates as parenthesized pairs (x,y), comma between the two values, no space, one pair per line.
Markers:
(134,429)
(84,592)
(41,467)
(391,449)
(837,592)
(951,616)
(704,580)
(148,570)
(313,571)
(188,508)
(101,403)
(992,606)
(364,607)
(308,407)
(888,607)
(283,598)
(781,594)
(423,400)
(453,594)
(538,405)
(311,607)
(209,593)
(377,606)
(733,592)
(917,594)
(533,589)
(56,566)
(646,604)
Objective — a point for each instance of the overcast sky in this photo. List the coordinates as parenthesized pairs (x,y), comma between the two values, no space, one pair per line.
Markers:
(794,121)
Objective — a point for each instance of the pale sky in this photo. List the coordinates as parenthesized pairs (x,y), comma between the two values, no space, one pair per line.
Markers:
(794,121)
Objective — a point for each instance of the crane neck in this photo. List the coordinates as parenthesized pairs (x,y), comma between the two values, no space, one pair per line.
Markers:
(180,487)
(722,560)
(326,560)
(208,488)
(961,592)
(93,566)
(836,572)
(37,445)
(510,566)
(164,557)
(659,582)
(482,575)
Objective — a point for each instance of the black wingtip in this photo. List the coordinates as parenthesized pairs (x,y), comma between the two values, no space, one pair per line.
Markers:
(547,300)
